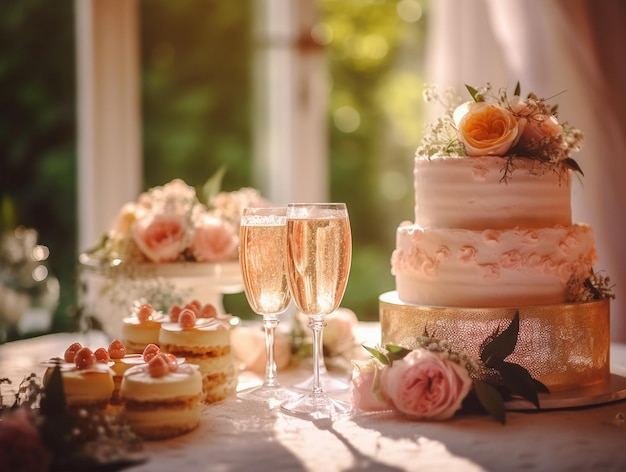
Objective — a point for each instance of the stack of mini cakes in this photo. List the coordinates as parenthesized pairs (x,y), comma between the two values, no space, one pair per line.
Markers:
(202,337)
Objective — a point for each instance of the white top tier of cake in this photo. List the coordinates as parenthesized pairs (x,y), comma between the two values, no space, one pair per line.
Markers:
(471,193)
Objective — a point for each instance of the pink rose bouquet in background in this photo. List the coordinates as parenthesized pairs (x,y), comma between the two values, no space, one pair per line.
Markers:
(169,223)
(496,124)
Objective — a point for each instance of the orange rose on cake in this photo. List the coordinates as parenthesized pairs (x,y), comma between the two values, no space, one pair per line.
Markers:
(486,129)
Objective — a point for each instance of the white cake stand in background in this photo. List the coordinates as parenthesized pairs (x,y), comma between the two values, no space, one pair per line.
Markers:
(107,294)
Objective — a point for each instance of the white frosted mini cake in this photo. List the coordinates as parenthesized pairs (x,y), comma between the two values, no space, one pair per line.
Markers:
(87,379)
(161,398)
(206,343)
(142,328)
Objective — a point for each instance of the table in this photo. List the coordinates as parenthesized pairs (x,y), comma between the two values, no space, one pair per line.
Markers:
(241,436)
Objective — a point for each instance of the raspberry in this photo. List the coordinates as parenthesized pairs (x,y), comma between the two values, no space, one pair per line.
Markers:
(102,355)
(187,319)
(85,358)
(117,350)
(144,313)
(71,351)
(150,351)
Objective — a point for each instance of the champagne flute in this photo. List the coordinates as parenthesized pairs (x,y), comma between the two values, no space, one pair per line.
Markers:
(319,252)
(262,258)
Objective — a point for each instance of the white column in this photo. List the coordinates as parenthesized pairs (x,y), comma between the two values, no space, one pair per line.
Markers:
(109,122)
(290,99)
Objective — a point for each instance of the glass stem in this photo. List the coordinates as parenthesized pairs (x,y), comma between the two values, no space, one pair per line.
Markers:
(317,324)
(320,354)
(269,324)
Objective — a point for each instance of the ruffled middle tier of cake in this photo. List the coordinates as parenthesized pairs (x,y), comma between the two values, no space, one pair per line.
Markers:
(472,193)
(490,268)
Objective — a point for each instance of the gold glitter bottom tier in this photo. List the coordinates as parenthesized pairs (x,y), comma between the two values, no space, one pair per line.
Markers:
(565,346)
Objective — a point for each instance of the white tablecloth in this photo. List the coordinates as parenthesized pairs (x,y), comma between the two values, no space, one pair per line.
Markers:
(241,436)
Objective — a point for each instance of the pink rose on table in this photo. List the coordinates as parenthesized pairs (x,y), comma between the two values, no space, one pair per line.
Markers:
(248,345)
(365,389)
(21,449)
(425,386)
(339,331)
(486,129)
(161,237)
(214,239)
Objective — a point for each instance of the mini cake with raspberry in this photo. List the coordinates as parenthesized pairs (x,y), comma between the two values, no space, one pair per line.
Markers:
(120,362)
(87,377)
(162,398)
(202,337)
(142,328)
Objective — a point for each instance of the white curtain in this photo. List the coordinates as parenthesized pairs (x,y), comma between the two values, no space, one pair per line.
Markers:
(573,48)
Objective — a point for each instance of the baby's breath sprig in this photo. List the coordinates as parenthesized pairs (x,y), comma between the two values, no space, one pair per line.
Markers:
(447,351)
(596,287)
(440,135)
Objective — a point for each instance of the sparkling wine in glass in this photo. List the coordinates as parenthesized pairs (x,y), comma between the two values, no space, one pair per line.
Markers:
(262,258)
(319,253)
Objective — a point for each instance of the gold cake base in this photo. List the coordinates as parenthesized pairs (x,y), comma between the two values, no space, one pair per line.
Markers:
(565,346)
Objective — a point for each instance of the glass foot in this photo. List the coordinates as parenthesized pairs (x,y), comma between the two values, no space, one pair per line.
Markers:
(272,395)
(328,383)
(315,406)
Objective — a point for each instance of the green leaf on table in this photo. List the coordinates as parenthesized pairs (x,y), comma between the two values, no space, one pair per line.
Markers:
(396,353)
(491,400)
(518,90)
(377,355)
(502,345)
(519,382)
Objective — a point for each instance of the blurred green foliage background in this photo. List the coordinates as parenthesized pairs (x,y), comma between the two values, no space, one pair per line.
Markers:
(196,59)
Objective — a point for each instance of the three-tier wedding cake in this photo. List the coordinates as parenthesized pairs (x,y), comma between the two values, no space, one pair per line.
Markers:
(493,235)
